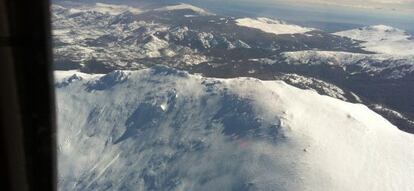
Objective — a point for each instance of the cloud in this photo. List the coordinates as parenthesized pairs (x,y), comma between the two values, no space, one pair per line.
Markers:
(392,1)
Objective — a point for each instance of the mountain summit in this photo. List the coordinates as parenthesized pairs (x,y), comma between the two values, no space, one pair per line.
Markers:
(169,130)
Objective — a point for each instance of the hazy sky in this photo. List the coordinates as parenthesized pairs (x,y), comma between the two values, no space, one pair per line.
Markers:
(347,13)
(387,5)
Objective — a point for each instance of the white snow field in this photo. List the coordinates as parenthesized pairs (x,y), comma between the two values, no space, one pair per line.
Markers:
(183,6)
(393,48)
(163,129)
(272,26)
(382,39)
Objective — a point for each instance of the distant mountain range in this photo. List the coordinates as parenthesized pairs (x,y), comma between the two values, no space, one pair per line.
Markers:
(376,62)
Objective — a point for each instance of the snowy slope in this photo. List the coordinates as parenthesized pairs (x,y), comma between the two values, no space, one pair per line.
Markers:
(394,58)
(374,64)
(162,129)
(382,39)
(114,9)
(103,8)
(63,76)
(183,6)
(272,26)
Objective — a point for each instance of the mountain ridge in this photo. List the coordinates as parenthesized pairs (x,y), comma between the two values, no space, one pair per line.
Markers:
(164,121)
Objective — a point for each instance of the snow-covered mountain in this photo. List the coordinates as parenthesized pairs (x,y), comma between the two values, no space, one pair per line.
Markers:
(272,26)
(100,38)
(174,97)
(184,6)
(378,65)
(164,129)
(98,41)
(382,39)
